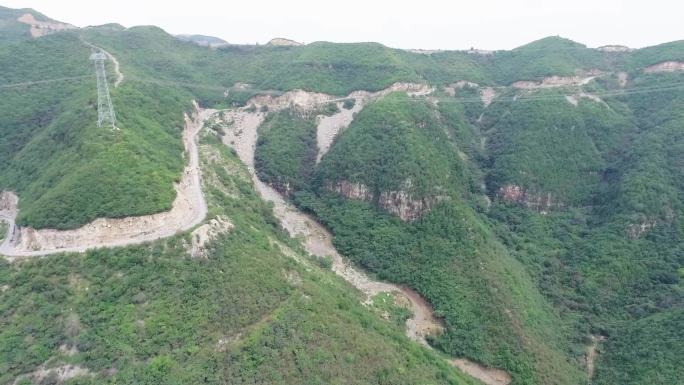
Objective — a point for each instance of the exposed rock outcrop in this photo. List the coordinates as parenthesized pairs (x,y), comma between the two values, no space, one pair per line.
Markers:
(489,376)
(308,101)
(405,206)
(641,228)
(667,66)
(206,233)
(329,127)
(43,28)
(537,201)
(487,94)
(423,51)
(400,203)
(615,48)
(279,41)
(59,374)
(575,98)
(582,78)
(623,78)
(351,190)
(8,201)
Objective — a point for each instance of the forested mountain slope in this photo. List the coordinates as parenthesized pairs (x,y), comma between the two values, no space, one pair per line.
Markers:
(66,170)
(252,308)
(533,197)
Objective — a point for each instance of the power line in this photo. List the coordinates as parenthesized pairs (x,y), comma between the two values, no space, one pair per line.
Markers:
(173,83)
(608,93)
(45,81)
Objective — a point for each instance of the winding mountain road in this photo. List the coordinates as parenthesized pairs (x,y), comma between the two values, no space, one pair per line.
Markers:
(188,209)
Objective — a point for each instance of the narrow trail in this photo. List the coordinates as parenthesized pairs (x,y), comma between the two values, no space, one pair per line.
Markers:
(592,354)
(117,70)
(188,209)
(241,134)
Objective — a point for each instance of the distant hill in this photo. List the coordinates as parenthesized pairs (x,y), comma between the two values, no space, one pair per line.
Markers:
(203,40)
(283,41)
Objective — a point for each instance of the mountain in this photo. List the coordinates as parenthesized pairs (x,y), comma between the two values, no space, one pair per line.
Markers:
(208,41)
(19,24)
(279,41)
(371,215)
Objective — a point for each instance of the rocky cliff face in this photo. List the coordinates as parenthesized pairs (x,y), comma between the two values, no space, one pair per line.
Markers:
(282,187)
(400,203)
(406,207)
(8,201)
(668,66)
(43,28)
(351,190)
(537,201)
(643,227)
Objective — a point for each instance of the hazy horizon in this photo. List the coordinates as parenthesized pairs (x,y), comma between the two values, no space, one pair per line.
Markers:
(425,25)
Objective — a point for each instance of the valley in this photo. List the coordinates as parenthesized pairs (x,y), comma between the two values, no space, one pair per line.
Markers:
(337,212)
(241,134)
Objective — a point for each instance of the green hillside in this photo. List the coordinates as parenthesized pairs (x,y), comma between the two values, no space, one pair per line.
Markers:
(546,57)
(286,149)
(646,352)
(151,315)
(66,170)
(533,224)
(493,312)
(392,141)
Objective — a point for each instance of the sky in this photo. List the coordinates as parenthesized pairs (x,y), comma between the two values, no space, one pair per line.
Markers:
(425,24)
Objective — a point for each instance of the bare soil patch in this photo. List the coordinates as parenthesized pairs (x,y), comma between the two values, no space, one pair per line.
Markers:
(57,374)
(43,28)
(668,66)
(487,375)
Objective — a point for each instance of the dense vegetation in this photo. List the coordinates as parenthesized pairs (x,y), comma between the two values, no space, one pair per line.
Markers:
(66,170)
(612,167)
(392,143)
(546,57)
(543,144)
(449,256)
(647,351)
(519,288)
(286,149)
(248,314)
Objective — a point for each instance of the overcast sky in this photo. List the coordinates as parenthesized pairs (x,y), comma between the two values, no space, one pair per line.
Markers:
(428,24)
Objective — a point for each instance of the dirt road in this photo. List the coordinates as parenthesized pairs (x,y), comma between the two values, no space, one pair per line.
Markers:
(188,209)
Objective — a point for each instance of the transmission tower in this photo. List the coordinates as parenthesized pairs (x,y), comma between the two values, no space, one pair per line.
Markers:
(105,110)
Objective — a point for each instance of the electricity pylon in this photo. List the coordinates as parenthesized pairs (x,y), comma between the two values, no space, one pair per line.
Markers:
(105,109)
